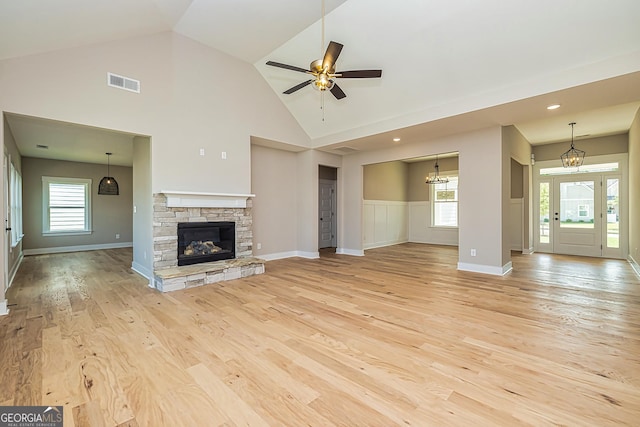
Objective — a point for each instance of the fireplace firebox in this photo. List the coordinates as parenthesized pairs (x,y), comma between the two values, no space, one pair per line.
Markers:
(206,241)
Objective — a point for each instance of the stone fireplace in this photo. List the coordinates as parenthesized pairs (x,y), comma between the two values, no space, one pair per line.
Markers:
(192,210)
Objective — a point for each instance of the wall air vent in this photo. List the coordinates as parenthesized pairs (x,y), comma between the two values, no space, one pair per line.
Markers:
(121,82)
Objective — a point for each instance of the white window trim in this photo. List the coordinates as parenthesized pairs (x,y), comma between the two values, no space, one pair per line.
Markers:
(46,180)
(432,203)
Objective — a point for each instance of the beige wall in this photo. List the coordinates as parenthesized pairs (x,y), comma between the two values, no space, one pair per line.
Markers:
(386,181)
(520,152)
(612,144)
(418,172)
(480,171)
(110,214)
(517,183)
(634,189)
(142,207)
(187,102)
(275,205)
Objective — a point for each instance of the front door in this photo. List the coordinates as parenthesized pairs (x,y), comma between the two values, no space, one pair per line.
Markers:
(580,215)
(577,220)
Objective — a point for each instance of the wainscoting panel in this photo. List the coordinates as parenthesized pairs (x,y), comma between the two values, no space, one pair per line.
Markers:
(385,223)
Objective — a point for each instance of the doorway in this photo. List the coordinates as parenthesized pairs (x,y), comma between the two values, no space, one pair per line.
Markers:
(327,209)
(581,213)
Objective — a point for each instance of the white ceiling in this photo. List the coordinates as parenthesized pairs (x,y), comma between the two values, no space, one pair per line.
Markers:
(448,65)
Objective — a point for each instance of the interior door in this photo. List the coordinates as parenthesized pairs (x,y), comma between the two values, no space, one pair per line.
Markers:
(577,215)
(326,214)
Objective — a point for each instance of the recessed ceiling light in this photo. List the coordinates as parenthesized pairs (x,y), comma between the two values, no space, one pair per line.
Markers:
(553,107)
(396,139)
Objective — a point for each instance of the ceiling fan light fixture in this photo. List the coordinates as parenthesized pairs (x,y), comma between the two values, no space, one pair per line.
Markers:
(323,82)
(572,157)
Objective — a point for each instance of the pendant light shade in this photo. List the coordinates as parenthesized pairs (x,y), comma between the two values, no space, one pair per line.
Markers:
(108,185)
(436,179)
(572,157)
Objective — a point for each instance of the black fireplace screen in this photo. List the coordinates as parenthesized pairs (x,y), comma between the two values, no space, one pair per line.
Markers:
(206,241)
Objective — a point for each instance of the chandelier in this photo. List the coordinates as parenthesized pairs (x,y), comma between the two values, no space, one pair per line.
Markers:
(572,157)
(436,179)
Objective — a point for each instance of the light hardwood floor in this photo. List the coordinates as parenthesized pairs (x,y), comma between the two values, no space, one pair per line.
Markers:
(398,337)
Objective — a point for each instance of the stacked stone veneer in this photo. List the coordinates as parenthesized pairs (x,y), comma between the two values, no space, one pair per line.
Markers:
(165,231)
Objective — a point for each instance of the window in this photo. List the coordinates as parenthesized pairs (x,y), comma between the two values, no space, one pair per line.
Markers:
(15,191)
(444,203)
(583,211)
(66,205)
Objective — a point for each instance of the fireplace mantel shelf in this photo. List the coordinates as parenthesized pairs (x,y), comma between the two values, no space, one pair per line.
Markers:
(191,199)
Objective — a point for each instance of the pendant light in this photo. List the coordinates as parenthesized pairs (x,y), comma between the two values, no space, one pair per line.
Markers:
(436,179)
(572,157)
(108,185)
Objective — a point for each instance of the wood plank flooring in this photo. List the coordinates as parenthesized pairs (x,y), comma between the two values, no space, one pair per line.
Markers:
(398,337)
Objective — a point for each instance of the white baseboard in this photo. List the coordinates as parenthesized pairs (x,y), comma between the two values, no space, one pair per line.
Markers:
(352,252)
(634,264)
(4,310)
(527,251)
(14,270)
(290,254)
(144,272)
(79,248)
(384,244)
(486,269)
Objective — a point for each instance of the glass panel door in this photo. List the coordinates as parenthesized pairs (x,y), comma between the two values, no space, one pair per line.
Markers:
(613,240)
(576,216)
(542,239)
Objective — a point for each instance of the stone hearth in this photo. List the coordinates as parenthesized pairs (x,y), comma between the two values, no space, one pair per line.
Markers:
(189,276)
(171,208)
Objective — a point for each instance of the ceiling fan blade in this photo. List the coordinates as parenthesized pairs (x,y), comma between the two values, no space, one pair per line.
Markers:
(337,92)
(359,74)
(331,55)
(287,67)
(297,87)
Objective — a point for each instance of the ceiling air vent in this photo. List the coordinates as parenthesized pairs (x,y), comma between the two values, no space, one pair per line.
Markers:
(346,150)
(122,82)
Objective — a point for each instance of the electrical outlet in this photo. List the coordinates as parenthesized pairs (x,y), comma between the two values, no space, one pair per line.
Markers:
(117,235)
(473,252)
(223,155)
(259,246)
(202,151)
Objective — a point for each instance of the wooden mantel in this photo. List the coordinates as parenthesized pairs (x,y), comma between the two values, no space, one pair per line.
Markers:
(189,199)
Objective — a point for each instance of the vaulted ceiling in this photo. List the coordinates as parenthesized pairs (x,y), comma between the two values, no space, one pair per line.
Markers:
(448,65)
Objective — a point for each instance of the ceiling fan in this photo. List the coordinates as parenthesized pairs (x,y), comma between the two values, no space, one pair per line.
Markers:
(324,72)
